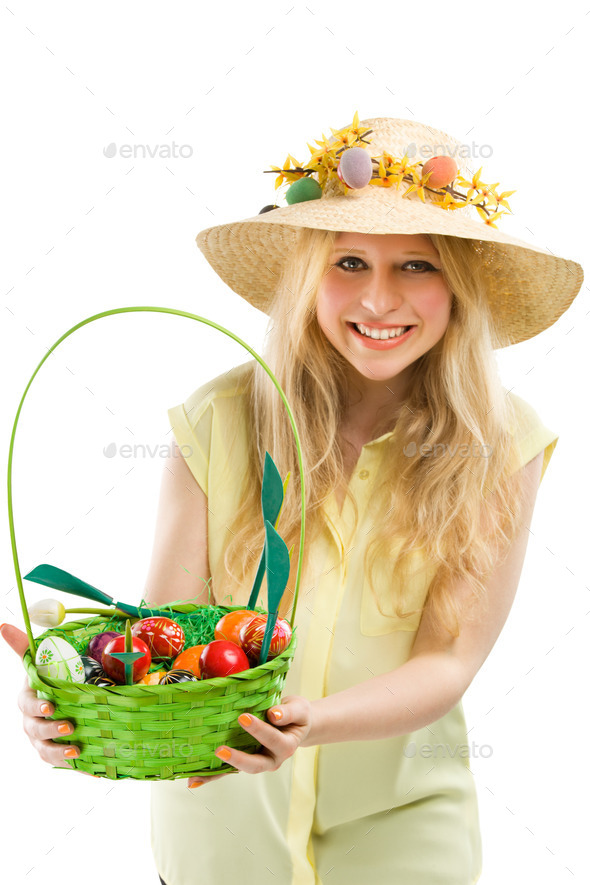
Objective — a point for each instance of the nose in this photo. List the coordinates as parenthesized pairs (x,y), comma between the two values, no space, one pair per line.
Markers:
(382,292)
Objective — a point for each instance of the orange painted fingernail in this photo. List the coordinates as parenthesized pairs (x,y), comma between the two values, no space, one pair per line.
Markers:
(245,719)
(223,753)
(64,729)
(278,714)
(70,753)
(196,784)
(45,709)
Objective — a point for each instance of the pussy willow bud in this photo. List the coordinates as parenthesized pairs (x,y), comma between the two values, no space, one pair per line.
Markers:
(47,613)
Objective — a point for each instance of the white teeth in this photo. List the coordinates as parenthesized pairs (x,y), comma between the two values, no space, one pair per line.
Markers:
(381,334)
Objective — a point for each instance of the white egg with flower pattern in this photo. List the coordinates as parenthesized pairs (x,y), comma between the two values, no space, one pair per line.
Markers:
(57,659)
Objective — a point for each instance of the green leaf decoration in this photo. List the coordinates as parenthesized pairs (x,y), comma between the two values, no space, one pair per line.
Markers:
(58,579)
(50,576)
(272,496)
(277,575)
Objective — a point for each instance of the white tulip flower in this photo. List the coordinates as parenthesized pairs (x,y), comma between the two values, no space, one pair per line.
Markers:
(47,613)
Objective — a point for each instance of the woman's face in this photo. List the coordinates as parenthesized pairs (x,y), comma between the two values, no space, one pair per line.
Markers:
(383,282)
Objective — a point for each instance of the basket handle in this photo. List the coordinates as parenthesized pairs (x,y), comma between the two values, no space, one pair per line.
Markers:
(190,316)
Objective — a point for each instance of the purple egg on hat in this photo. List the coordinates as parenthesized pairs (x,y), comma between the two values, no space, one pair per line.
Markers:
(355,168)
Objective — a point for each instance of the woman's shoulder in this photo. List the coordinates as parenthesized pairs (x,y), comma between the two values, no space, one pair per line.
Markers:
(530,433)
(525,419)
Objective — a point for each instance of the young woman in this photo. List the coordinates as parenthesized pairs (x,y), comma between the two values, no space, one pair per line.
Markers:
(421,475)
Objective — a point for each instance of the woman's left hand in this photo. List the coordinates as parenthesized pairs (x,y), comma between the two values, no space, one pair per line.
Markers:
(279,740)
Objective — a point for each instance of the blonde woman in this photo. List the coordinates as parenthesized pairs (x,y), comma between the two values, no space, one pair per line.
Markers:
(421,477)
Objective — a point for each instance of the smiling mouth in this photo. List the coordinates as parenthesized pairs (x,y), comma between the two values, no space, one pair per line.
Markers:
(380,334)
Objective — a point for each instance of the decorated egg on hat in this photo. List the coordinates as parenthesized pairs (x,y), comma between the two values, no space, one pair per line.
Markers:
(57,659)
(302,190)
(443,170)
(355,168)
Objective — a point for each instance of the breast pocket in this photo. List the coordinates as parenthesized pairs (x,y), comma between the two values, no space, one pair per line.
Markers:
(378,615)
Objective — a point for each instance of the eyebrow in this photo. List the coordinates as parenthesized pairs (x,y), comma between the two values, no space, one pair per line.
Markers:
(362,252)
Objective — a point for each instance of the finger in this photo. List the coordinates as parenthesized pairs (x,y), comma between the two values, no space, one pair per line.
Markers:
(42,729)
(58,755)
(290,711)
(15,638)
(270,737)
(250,763)
(31,705)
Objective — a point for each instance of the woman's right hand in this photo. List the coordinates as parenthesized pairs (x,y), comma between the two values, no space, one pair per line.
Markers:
(39,729)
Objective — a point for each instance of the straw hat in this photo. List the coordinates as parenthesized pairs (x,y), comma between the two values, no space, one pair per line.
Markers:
(529,288)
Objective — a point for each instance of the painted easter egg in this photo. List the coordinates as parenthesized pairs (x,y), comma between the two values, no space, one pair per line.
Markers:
(115,668)
(252,634)
(91,667)
(58,659)
(163,636)
(98,643)
(174,676)
(101,680)
(189,660)
(355,168)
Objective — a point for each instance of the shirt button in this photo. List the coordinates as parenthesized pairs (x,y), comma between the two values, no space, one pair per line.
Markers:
(363,474)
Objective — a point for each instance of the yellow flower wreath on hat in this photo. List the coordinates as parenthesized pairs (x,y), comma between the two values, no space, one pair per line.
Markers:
(342,159)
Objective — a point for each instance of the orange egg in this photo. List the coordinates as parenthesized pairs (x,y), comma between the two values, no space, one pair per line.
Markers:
(189,660)
(444,171)
(229,626)
(152,678)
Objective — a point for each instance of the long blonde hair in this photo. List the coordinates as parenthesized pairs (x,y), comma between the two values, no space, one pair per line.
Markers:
(462,512)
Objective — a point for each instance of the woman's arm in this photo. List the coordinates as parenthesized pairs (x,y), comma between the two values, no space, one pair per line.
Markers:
(439,670)
(179,566)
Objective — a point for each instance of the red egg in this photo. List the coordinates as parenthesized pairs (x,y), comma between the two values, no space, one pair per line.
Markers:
(163,636)
(222,658)
(115,668)
(252,634)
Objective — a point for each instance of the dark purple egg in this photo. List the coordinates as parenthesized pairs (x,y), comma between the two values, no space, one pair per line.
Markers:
(97,644)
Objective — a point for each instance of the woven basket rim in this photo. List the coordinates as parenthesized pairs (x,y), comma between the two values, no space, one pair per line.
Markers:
(141,689)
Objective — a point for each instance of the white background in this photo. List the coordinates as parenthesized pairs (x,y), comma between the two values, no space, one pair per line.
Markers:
(243,85)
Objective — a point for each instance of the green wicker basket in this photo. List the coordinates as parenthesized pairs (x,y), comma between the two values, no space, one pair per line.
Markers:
(157,732)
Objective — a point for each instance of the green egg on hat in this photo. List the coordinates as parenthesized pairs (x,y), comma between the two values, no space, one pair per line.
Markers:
(302,190)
